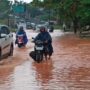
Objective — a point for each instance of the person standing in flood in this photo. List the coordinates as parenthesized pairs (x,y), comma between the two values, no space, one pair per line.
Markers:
(64,27)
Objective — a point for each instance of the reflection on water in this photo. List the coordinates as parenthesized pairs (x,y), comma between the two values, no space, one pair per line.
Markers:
(5,78)
(69,68)
(43,73)
(24,77)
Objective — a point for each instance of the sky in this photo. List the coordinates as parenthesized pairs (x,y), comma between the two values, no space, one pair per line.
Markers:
(23,0)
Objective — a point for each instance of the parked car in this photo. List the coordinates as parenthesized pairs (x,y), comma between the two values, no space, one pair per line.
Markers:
(28,25)
(6,41)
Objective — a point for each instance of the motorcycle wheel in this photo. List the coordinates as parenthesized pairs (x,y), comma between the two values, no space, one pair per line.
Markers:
(39,57)
(19,45)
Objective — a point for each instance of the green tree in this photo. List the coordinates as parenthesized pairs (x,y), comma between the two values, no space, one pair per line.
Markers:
(84,12)
(76,11)
(4,7)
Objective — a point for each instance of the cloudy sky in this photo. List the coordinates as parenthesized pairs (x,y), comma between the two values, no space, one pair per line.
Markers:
(23,0)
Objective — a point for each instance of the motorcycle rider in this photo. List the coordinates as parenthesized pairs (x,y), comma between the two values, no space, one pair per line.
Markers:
(45,37)
(20,32)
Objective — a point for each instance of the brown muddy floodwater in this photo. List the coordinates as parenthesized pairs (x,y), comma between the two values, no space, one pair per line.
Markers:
(68,69)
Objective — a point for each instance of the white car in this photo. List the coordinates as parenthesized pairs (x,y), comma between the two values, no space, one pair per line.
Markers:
(6,41)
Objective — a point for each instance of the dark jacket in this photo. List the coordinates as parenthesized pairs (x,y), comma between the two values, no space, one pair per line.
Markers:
(45,36)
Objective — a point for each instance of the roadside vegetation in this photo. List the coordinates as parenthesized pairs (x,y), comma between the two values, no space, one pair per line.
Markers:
(74,13)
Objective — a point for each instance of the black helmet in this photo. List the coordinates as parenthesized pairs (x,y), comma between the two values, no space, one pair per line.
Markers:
(21,28)
(42,29)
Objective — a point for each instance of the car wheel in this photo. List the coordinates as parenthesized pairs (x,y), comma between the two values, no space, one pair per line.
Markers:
(11,51)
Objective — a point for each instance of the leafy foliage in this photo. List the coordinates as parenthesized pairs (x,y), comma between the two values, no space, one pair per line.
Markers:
(84,12)
(76,11)
(4,7)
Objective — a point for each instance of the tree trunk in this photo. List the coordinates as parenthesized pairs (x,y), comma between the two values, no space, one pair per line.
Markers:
(75,25)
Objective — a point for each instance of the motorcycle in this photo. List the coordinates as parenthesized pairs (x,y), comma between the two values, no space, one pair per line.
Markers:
(39,51)
(20,41)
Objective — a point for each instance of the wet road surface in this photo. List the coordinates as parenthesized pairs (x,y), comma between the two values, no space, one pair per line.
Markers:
(68,69)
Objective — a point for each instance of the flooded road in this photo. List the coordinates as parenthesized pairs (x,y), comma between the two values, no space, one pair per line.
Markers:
(68,69)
